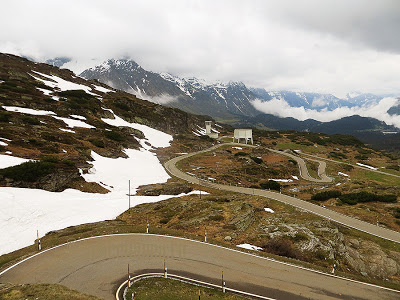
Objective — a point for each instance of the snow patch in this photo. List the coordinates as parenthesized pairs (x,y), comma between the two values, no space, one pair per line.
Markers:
(155,137)
(10,161)
(74,123)
(79,117)
(269,210)
(249,247)
(367,166)
(28,111)
(102,89)
(61,84)
(343,174)
(67,130)
(282,180)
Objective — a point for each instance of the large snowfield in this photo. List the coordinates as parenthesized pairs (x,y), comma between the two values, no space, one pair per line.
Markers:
(24,211)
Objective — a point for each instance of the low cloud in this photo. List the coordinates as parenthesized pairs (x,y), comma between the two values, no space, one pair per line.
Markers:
(162,99)
(281,108)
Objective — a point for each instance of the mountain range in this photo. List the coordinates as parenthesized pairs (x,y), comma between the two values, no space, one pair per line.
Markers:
(232,102)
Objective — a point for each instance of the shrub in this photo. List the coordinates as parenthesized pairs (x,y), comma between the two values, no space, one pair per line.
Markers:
(354,198)
(114,135)
(30,120)
(394,167)
(257,160)
(216,218)
(325,195)
(282,247)
(337,155)
(5,116)
(293,161)
(271,184)
(29,171)
(240,153)
(97,143)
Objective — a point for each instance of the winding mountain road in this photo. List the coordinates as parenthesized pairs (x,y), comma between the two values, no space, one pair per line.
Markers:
(388,234)
(304,170)
(98,266)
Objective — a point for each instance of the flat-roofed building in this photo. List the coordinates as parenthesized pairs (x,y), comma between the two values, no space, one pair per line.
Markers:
(243,136)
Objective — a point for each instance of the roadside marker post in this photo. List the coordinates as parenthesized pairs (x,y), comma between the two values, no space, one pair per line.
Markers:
(199,294)
(165,270)
(222,282)
(129,278)
(205,236)
(147,229)
(38,239)
(129,195)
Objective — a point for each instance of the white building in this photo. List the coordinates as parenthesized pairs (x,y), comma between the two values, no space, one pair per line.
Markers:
(243,135)
(209,132)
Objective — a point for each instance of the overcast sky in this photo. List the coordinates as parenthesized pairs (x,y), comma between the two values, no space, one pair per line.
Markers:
(321,46)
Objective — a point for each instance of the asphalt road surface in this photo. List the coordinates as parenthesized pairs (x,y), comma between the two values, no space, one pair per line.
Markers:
(307,206)
(98,266)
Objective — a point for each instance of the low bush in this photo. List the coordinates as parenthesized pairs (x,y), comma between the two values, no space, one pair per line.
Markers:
(97,143)
(240,153)
(282,247)
(325,195)
(271,184)
(257,160)
(216,218)
(114,135)
(354,198)
(5,116)
(30,171)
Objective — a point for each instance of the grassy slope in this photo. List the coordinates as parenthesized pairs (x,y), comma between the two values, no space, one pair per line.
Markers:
(41,291)
(168,289)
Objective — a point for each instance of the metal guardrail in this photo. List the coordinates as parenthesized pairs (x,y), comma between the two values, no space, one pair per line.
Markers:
(121,291)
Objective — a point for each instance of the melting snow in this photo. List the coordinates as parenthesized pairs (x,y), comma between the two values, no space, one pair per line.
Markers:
(102,89)
(282,180)
(367,166)
(9,161)
(26,210)
(44,91)
(269,210)
(238,148)
(67,130)
(249,247)
(343,174)
(61,84)
(295,177)
(28,111)
(3,144)
(155,137)
(74,123)
(79,117)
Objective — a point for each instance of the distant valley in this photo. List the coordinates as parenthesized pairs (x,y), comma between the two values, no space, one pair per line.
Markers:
(233,102)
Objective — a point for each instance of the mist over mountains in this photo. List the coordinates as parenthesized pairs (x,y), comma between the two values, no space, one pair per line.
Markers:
(367,116)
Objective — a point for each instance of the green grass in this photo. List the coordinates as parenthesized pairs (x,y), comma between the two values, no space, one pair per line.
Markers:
(168,289)
(294,146)
(41,291)
(381,178)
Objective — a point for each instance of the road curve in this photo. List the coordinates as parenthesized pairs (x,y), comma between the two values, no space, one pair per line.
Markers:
(98,266)
(303,167)
(385,233)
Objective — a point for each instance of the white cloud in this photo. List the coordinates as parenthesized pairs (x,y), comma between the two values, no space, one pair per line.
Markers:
(306,45)
(281,108)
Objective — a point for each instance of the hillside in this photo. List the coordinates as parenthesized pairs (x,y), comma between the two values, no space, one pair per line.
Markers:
(68,148)
(63,117)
